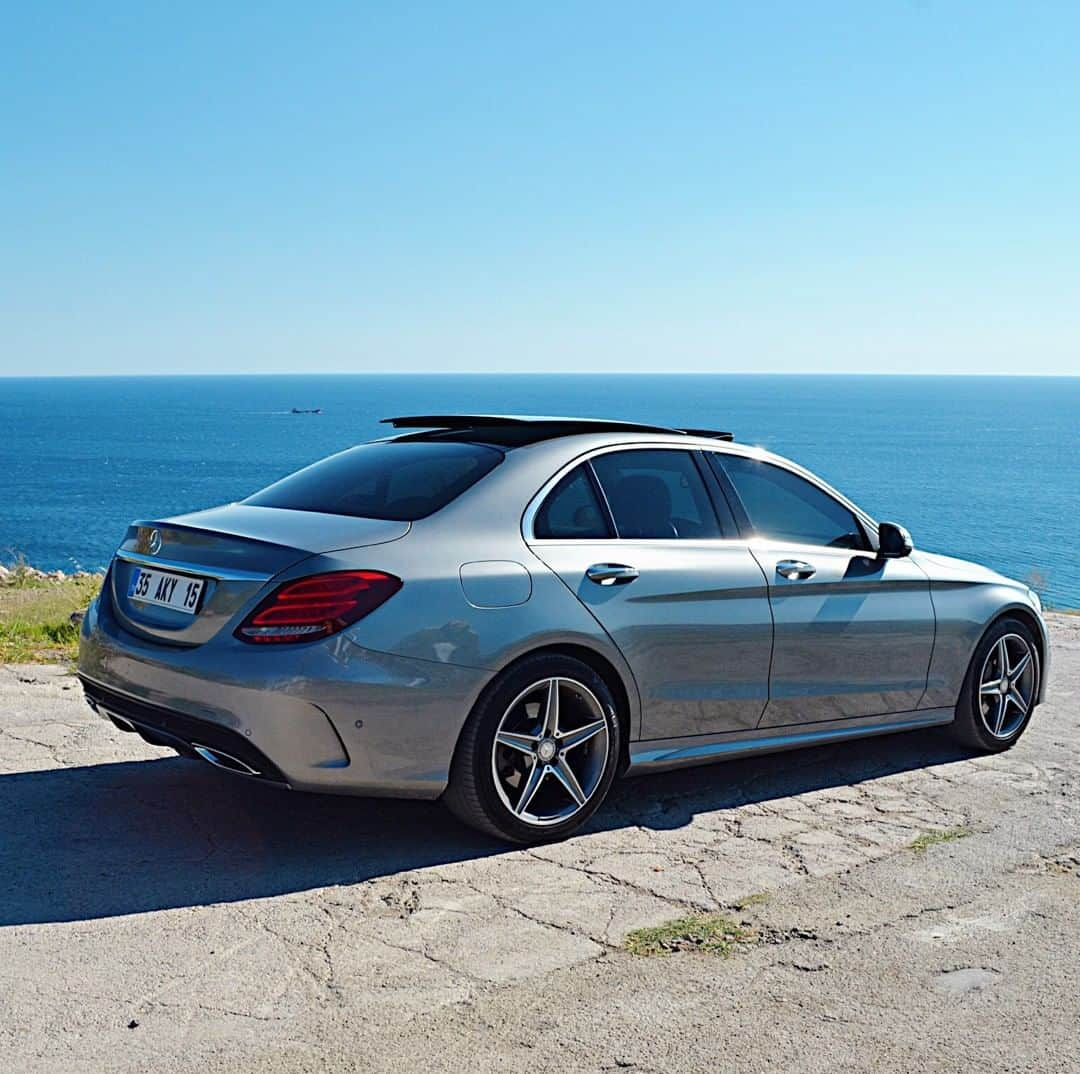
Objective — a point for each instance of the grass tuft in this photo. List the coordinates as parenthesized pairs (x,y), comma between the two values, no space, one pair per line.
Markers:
(756,899)
(712,933)
(21,575)
(937,835)
(35,617)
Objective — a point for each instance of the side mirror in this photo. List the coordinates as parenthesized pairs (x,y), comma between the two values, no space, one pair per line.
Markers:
(893,541)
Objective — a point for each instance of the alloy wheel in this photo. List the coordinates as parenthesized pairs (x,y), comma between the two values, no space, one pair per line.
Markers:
(550,751)
(1007,685)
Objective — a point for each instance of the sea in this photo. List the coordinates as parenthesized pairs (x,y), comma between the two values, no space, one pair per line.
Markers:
(987,468)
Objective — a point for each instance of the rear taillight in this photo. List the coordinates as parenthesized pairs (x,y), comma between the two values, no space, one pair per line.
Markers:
(316,607)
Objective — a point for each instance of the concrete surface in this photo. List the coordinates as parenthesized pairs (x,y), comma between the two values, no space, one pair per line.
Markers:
(158,915)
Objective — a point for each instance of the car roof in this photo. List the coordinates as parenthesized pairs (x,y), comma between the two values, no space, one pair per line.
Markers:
(550,445)
(517,430)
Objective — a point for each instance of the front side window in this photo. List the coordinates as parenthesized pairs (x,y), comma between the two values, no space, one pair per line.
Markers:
(786,507)
(572,511)
(401,482)
(656,495)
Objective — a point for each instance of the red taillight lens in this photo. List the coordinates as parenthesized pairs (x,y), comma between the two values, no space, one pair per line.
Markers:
(317,607)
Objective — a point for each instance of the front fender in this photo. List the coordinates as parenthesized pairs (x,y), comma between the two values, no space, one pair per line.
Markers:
(964,612)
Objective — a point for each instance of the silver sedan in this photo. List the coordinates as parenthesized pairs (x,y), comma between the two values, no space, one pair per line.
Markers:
(509,612)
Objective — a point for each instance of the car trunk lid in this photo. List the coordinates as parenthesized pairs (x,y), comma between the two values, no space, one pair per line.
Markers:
(233,551)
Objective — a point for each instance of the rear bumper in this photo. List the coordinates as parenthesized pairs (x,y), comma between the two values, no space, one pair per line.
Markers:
(187,735)
(330,716)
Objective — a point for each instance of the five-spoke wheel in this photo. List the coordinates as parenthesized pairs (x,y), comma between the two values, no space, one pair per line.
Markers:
(1001,688)
(539,751)
(1007,685)
(550,751)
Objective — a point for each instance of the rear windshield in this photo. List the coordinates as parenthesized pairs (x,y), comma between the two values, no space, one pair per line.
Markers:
(396,481)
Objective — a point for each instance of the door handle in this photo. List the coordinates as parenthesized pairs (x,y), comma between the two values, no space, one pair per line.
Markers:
(795,569)
(611,573)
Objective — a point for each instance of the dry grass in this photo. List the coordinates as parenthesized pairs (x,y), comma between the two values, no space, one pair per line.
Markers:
(937,836)
(35,617)
(711,933)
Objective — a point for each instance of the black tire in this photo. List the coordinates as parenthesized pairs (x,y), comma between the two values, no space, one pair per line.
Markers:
(969,726)
(472,795)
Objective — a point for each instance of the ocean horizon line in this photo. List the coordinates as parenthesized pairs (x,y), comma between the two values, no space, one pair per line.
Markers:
(829,374)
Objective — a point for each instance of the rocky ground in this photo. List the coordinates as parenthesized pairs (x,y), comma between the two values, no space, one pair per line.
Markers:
(907,908)
(23,572)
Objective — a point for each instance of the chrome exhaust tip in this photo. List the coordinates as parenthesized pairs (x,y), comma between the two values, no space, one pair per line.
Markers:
(220,759)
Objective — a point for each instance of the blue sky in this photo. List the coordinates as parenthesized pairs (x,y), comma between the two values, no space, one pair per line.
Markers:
(835,187)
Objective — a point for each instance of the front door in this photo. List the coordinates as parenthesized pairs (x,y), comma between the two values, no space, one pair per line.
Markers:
(853,633)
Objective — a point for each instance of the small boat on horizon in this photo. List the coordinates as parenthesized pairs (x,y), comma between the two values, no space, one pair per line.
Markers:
(312,410)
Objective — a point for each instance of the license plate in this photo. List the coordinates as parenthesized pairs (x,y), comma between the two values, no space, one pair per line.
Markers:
(176,591)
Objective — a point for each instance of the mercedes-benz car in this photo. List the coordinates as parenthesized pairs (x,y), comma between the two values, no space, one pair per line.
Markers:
(510,612)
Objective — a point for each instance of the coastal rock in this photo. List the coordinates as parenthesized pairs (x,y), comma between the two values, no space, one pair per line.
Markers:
(24,572)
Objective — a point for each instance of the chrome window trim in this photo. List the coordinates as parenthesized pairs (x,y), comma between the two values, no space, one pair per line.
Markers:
(689,446)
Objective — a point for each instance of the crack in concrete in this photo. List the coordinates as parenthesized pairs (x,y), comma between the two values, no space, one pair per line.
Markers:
(617,881)
(424,953)
(198,1005)
(505,904)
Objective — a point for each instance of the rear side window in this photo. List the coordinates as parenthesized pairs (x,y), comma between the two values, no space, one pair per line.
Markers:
(785,506)
(572,511)
(656,495)
(400,482)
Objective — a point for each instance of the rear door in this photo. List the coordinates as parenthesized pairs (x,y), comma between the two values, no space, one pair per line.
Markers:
(635,536)
(853,633)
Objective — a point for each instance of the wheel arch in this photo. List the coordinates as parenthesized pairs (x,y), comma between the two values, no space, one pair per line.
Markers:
(614,681)
(1038,632)
(605,668)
